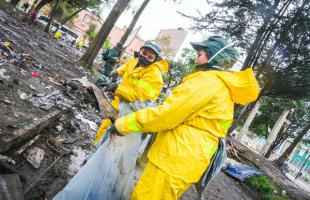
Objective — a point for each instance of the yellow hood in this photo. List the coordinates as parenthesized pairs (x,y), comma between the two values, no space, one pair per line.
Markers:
(163,65)
(242,85)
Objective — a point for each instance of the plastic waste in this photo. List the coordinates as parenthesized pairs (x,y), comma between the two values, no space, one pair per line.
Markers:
(109,172)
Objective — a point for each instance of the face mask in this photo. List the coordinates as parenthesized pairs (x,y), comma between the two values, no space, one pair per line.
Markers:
(144,61)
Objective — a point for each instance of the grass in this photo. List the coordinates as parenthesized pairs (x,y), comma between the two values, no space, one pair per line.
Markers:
(265,187)
(5,5)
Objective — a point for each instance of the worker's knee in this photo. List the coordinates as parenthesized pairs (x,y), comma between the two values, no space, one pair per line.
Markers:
(156,184)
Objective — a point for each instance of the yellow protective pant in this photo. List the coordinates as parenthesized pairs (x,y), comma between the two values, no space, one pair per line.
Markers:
(155,184)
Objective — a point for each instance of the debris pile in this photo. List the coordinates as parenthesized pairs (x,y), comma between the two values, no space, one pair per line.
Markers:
(50,112)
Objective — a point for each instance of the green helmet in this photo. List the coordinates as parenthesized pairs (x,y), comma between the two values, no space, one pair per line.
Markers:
(119,46)
(219,52)
(152,44)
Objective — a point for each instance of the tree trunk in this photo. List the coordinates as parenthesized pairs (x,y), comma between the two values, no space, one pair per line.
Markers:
(134,21)
(52,16)
(291,148)
(72,15)
(95,46)
(275,131)
(249,120)
(282,136)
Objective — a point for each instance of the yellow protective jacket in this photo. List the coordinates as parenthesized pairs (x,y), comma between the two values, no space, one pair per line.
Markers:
(191,119)
(140,83)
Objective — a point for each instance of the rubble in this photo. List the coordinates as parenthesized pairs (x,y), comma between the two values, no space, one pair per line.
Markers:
(2,75)
(34,156)
(76,160)
(28,144)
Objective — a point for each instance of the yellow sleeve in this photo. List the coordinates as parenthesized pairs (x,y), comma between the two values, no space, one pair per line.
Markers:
(147,87)
(125,67)
(185,99)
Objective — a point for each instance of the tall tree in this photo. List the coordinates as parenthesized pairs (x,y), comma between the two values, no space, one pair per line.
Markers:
(291,148)
(269,24)
(89,56)
(270,109)
(134,21)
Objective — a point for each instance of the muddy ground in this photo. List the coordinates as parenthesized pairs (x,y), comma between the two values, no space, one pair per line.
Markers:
(75,127)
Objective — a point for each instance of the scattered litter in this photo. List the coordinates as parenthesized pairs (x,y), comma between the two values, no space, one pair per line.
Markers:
(52,80)
(59,127)
(28,144)
(106,110)
(39,66)
(7,101)
(76,160)
(92,125)
(7,159)
(57,147)
(2,76)
(32,87)
(46,101)
(242,171)
(35,75)
(23,96)
(23,124)
(34,156)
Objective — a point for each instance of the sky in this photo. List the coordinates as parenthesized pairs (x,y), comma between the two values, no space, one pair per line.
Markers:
(162,14)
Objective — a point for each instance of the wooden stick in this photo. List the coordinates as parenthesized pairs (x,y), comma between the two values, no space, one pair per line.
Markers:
(28,144)
(42,174)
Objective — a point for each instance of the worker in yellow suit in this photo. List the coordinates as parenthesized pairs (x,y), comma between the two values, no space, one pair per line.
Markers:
(142,80)
(58,34)
(190,122)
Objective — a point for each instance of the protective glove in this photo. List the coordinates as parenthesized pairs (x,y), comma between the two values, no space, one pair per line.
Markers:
(113,130)
(114,74)
(111,86)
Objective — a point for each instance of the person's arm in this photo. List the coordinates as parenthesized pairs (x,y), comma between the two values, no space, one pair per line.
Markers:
(147,87)
(185,100)
(105,55)
(125,67)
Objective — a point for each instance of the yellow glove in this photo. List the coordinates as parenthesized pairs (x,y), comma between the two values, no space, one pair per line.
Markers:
(102,129)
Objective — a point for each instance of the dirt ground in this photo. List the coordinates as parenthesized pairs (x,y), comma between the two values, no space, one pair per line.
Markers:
(75,128)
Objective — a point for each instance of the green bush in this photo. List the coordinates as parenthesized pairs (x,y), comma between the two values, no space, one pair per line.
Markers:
(5,5)
(262,184)
(265,187)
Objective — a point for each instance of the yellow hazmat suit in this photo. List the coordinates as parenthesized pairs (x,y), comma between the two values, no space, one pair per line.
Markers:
(140,83)
(188,126)
(57,34)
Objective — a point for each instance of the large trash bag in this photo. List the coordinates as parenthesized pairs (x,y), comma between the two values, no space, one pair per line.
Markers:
(109,173)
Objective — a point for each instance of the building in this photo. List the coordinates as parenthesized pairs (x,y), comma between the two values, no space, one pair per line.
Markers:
(299,158)
(82,22)
(171,40)
(85,18)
